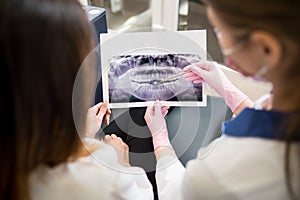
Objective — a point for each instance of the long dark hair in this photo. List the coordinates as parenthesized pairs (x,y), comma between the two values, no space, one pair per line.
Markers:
(281,18)
(42,45)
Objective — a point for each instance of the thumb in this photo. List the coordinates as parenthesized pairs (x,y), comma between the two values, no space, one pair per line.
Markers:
(148,114)
(102,111)
(157,108)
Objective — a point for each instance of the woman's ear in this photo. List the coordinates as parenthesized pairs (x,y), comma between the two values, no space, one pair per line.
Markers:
(268,46)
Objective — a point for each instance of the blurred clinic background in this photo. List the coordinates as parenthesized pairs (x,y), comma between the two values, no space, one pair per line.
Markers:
(175,15)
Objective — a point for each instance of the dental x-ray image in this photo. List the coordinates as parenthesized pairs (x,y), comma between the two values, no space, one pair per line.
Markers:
(142,78)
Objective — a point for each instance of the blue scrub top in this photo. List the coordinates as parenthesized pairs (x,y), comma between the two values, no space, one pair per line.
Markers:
(260,123)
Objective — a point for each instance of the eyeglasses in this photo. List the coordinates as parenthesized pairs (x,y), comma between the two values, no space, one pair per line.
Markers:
(218,33)
(229,51)
(237,46)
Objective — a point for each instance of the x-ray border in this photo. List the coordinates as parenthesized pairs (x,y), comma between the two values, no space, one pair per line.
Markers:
(196,36)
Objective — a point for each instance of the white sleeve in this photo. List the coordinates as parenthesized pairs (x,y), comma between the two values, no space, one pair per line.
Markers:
(199,182)
(129,182)
(132,184)
(169,174)
(94,177)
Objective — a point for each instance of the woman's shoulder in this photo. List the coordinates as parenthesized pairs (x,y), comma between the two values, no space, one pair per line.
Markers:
(96,176)
(73,180)
(230,164)
(239,152)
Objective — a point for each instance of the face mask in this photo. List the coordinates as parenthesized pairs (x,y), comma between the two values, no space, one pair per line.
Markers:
(226,52)
(229,51)
(231,64)
(258,76)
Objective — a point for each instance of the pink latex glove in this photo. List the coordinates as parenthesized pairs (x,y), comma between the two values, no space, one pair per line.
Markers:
(156,122)
(94,118)
(212,74)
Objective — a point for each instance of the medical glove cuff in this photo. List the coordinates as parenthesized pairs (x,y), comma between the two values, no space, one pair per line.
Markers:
(234,98)
(161,139)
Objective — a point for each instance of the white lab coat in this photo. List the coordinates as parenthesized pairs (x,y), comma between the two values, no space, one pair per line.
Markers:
(229,168)
(97,176)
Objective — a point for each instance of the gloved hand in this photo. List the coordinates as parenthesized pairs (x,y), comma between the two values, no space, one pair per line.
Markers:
(212,74)
(156,122)
(94,118)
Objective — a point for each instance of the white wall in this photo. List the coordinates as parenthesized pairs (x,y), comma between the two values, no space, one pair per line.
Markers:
(84,2)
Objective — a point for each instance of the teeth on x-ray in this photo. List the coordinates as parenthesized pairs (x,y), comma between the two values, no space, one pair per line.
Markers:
(153,75)
(142,76)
